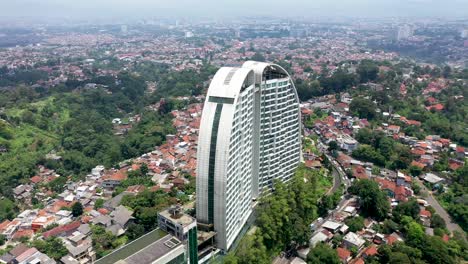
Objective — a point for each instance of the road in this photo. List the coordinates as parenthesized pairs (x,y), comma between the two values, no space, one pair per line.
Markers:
(336,181)
(338,173)
(451,226)
(339,177)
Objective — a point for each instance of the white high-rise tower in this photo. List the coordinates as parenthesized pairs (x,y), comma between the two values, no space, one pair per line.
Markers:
(249,136)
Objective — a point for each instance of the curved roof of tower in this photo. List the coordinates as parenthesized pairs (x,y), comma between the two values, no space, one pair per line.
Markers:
(228,82)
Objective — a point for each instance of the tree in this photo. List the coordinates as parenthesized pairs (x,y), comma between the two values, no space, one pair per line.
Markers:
(399,258)
(7,209)
(144,169)
(323,254)
(437,221)
(135,231)
(77,209)
(148,217)
(283,217)
(230,258)
(436,251)
(58,184)
(372,200)
(365,136)
(384,253)
(414,231)
(333,145)
(414,254)
(2,239)
(258,57)
(252,250)
(273,218)
(389,226)
(338,82)
(355,223)
(325,204)
(102,240)
(368,153)
(410,208)
(52,247)
(337,239)
(367,71)
(308,89)
(99,203)
(362,107)
(415,171)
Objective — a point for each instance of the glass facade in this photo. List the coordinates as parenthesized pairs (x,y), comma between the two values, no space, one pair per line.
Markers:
(220,100)
(193,246)
(212,162)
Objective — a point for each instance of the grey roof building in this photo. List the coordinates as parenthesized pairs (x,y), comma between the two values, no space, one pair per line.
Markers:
(155,247)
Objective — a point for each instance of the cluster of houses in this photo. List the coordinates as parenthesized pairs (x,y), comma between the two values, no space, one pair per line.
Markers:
(122,126)
(22,254)
(355,247)
(169,166)
(24,192)
(340,126)
(351,247)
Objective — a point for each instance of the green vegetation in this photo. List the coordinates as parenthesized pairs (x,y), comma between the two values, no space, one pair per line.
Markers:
(372,200)
(103,241)
(323,254)
(418,247)
(52,247)
(99,203)
(251,250)
(147,205)
(77,209)
(455,200)
(362,107)
(410,208)
(329,202)
(75,122)
(368,71)
(341,80)
(355,223)
(382,150)
(283,217)
(7,209)
(316,115)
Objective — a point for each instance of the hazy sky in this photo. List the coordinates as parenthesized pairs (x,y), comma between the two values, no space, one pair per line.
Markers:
(221,8)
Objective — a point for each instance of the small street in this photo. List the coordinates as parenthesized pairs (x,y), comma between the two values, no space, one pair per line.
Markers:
(451,226)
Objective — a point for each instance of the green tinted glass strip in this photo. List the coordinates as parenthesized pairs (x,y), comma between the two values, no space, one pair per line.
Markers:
(220,100)
(212,162)
(193,246)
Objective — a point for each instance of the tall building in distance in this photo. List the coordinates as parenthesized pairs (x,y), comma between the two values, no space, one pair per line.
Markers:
(249,136)
(404,32)
(124,29)
(464,33)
